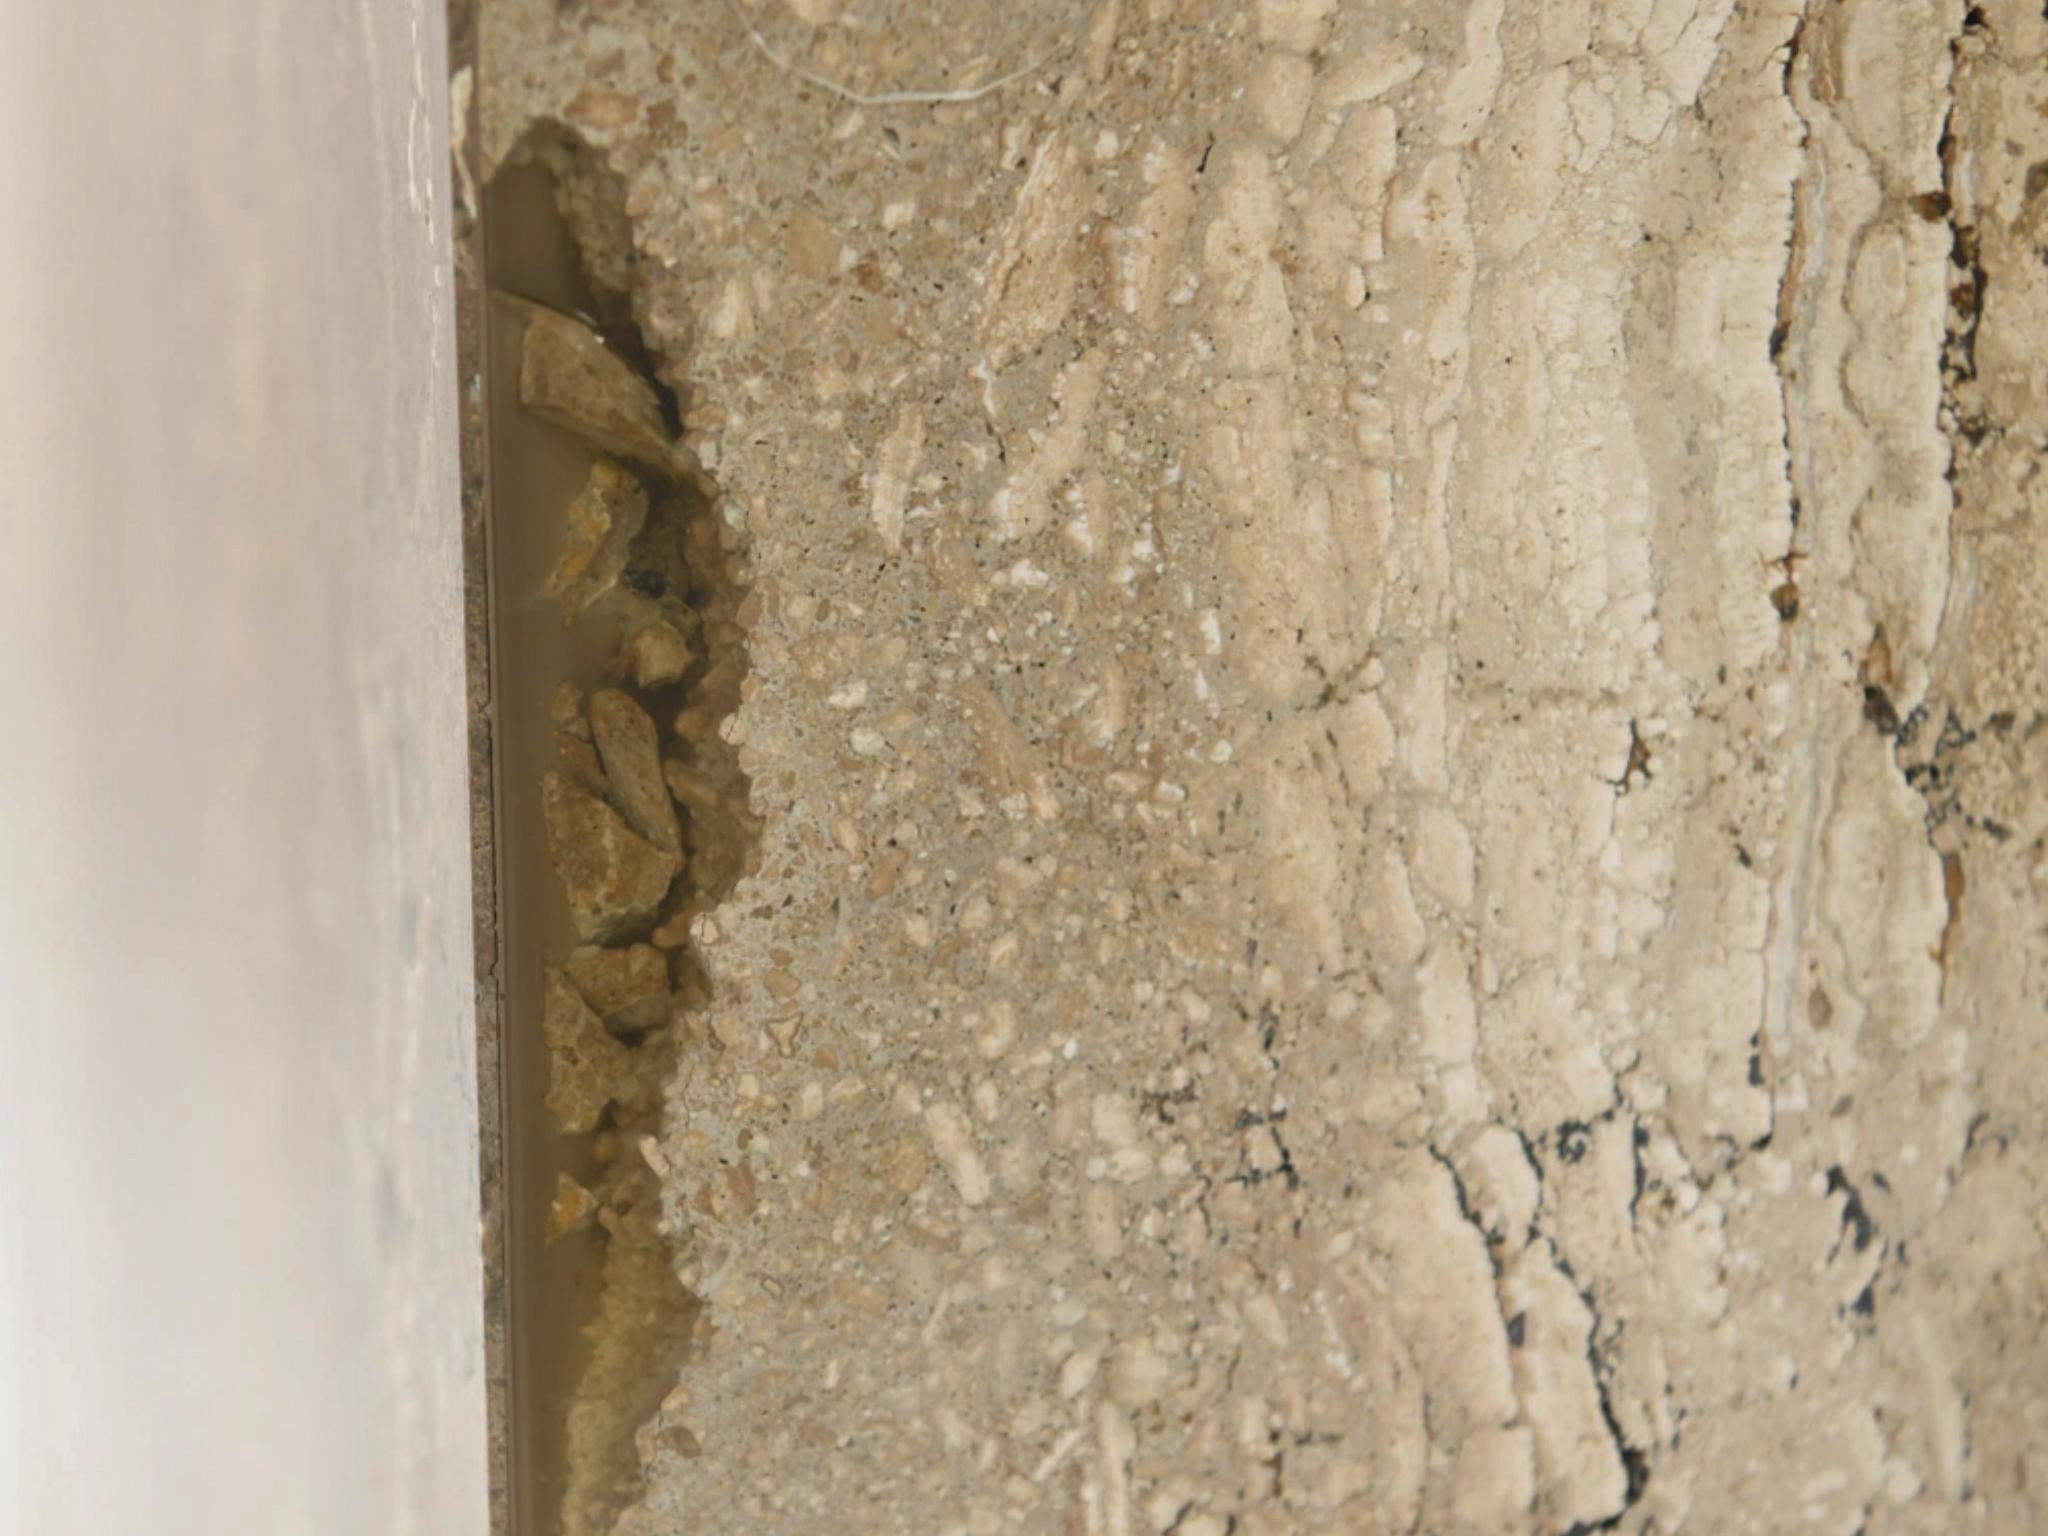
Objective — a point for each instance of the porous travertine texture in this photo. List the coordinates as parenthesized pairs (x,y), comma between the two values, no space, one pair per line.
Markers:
(1396,684)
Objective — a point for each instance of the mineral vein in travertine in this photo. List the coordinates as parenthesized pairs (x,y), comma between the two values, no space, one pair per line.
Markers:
(1396,690)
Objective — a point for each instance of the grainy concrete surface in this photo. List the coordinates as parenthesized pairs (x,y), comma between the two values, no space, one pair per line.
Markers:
(238,1212)
(1397,690)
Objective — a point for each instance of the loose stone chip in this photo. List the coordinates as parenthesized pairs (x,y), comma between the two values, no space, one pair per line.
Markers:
(660,654)
(573,746)
(574,1209)
(567,375)
(698,791)
(722,824)
(565,710)
(614,877)
(673,931)
(603,523)
(631,756)
(586,1066)
(627,987)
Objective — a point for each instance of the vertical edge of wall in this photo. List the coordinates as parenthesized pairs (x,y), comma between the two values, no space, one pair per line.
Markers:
(470,334)
(238,1224)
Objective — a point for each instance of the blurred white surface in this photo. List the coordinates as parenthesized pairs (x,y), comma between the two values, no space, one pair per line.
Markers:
(238,1220)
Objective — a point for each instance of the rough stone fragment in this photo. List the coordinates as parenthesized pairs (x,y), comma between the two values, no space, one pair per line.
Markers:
(722,825)
(574,1209)
(585,1064)
(567,375)
(641,1331)
(660,653)
(565,709)
(628,987)
(603,522)
(673,931)
(614,877)
(698,792)
(579,761)
(577,754)
(632,764)
(655,589)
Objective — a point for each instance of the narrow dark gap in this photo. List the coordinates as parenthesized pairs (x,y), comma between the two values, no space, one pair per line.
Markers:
(535,471)
(616,653)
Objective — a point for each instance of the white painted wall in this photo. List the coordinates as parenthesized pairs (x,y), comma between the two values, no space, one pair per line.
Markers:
(238,1248)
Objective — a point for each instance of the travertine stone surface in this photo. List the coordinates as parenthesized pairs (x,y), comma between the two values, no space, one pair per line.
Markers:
(1395,696)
